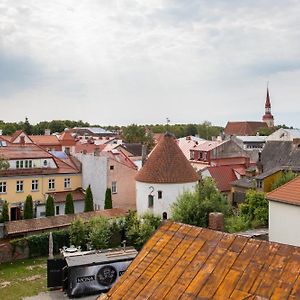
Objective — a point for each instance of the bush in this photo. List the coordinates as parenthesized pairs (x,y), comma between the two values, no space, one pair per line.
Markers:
(50,206)
(99,233)
(69,205)
(193,207)
(236,223)
(284,178)
(5,214)
(88,200)
(108,200)
(28,208)
(79,234)
(139,229)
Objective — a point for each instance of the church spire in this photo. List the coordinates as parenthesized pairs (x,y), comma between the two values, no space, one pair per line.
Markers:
(268,117)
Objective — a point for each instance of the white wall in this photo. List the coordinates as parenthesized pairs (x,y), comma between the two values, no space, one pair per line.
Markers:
(284,223)
(170,192)
(94,172)
(78,208)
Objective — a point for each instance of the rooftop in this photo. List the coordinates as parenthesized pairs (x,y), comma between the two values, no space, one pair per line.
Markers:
(288,193)
(56,222)
(243,128)
(167,164)
(187,262)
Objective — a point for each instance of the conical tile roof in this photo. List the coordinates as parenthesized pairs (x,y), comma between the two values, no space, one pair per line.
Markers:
(167,164)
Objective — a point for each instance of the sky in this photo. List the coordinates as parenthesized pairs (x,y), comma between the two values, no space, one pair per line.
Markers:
(118,62)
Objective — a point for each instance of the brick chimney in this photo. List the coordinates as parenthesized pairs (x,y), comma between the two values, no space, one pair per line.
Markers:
(22,140)
(216,221)
(47,131)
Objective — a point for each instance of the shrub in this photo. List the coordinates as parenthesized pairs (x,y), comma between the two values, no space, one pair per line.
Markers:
(284,178)
(79,234)
(69,205)
(88,200)
(108,200)
(5,214)
(193,207)
(50,206)
(99,232)
(28,208)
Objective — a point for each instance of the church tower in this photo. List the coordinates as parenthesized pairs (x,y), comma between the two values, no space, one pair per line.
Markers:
(268,117)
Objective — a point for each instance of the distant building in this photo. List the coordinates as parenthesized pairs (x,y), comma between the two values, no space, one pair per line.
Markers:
(243,128)
(268,117)
(283,134)
(165,175)
(87,132)
(35,171)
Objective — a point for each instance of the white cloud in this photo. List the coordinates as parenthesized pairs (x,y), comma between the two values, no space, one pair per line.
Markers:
(116,62)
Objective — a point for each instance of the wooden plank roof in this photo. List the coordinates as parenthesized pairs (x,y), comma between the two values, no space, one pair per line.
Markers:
(186,262)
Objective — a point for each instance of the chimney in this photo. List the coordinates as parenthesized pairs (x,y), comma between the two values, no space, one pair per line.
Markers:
(47,131)
(22,140)
(216,221)
(296,142)
(144,154)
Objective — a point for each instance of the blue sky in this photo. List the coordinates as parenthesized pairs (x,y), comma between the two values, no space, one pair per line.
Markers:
(126,61)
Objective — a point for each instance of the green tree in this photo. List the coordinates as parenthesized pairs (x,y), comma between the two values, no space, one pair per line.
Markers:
(284,178)
(5,214)
(27,127)
(255,208)
(99,232)
(108,200)
(193,207)
(50,206)
(134,134)
(88,200)
(79,233)
(69,205)
(28,208)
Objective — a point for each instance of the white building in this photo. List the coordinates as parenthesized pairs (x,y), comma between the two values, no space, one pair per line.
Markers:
(166,174)
(284,135)
(284,213)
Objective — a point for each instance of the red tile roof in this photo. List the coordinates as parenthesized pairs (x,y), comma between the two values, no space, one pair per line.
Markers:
(56,222)
(15,135)
(208,145)
(67,139)
(60,197)
(288,193)
(167,164)
(223,176)
(244,127)
(187,262)
(43,140)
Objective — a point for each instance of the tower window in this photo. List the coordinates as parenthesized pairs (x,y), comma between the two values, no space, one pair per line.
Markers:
(150,201)
(159,194)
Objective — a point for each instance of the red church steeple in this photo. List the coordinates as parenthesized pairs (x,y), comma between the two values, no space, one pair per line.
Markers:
(268,117)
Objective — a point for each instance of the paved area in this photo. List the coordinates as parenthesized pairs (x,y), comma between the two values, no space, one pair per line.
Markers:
(58,295)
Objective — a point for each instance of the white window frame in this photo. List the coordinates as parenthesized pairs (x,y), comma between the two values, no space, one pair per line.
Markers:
(51,184)
(20,186)
(67,183)
(3,187)
(114,189)
(34,185)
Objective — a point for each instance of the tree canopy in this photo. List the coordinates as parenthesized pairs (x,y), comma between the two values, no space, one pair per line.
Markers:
(28,208)
(193,207)
(69,205)
(88,200)
(50,211)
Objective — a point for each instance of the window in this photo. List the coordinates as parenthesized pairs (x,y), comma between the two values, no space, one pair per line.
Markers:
(111,167)
(200,155)
(192,155)
(259,184)
(17,164)
(34,185)
(159,194)
(2,187)
(67,183)
(150,201)
(114,187)
(21,164)
(45,163)
(20,186)
(57,210)
(51,184)
(30,163)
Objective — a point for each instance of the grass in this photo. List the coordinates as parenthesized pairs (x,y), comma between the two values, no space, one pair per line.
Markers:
(23,278)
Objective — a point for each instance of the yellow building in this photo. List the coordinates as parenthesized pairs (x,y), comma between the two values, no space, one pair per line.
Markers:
(36,172)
